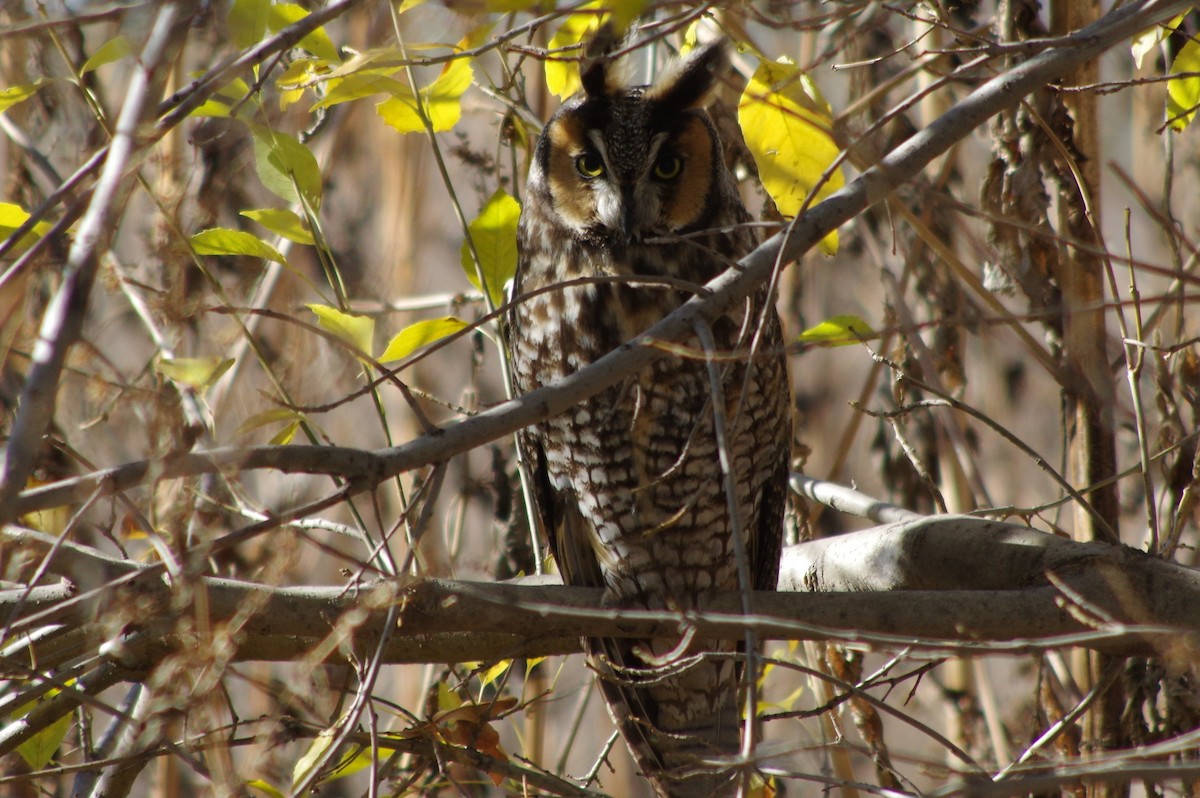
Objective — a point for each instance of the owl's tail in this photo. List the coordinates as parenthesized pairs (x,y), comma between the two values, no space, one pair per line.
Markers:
(680,715)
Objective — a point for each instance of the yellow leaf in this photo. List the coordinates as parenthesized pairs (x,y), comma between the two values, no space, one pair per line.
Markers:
(352,761)
(297,78)
(11,218)
(495,672)
(494,234)
(444,98)
(357,86)
(248,21)
(374,61)
(318,42)
(441,100)
(211,108)
(1183,92)
(562,68)
(316,750)
(509,6)
(282,222)
(285,435)
(262,786)
(448,700)
(223,241)
(625,12)
(16,94)
(358,331)
(198,372)
(272,416)
(1150,38)
(838,331)
(420,334)
(39,749)
(787,126)
(234,91)
(114,49)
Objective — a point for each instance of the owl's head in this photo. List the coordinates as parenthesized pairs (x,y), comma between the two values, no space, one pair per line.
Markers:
(621,163)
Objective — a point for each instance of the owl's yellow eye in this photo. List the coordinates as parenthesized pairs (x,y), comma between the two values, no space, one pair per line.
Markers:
(589,165)
(668,167)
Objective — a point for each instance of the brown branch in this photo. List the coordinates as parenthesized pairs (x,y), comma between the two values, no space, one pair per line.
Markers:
(871,187)
(942,583)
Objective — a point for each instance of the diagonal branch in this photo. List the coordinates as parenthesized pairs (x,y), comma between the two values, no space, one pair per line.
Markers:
(64,316)
(870,188)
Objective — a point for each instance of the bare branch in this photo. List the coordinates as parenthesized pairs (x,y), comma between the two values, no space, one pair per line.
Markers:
(871,187)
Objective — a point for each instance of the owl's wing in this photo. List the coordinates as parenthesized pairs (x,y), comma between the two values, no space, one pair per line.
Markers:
(561,522)
(766,542)
(612,659)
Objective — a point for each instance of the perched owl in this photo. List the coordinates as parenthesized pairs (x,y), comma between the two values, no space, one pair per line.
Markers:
(628,185)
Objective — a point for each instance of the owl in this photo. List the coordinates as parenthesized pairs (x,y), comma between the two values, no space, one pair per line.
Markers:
(629,210)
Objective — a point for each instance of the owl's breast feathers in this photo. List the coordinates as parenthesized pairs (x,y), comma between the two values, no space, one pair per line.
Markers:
(640,461)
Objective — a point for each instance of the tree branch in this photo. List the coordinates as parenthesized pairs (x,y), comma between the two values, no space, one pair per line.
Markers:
(873,186)
(942,583)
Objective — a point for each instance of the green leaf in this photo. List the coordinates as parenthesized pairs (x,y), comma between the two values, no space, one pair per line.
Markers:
(280,159)
(420,334)
(447,699)
(1150,38)
(509,6)
(358,331)
(838,331)
(316,749)
(562,68)
(273,416)
(494,233)
(248,21)
(39,749)
(198,372)
(11,218)
(211,108)
(282,222)
(373,61)
(223,241)
(318,42)
(625,12)
(285,435)
(114,49)
(787,126)
(16,94)
(1183,92)
(442,100)
(262,786)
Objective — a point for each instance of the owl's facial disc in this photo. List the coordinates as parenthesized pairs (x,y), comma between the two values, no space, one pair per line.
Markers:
(647,177)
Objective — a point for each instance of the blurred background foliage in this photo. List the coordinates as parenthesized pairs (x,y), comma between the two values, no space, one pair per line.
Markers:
(347,204)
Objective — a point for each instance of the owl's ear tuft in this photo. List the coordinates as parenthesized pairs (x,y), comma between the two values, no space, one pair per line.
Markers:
(593,76)
(599,72)
(691,80)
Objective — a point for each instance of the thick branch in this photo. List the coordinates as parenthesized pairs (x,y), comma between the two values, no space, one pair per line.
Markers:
(948,583)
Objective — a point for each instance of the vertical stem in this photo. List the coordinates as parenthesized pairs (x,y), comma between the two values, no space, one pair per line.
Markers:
(1089,398)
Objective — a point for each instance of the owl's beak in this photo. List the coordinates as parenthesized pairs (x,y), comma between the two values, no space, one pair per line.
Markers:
(629,216)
